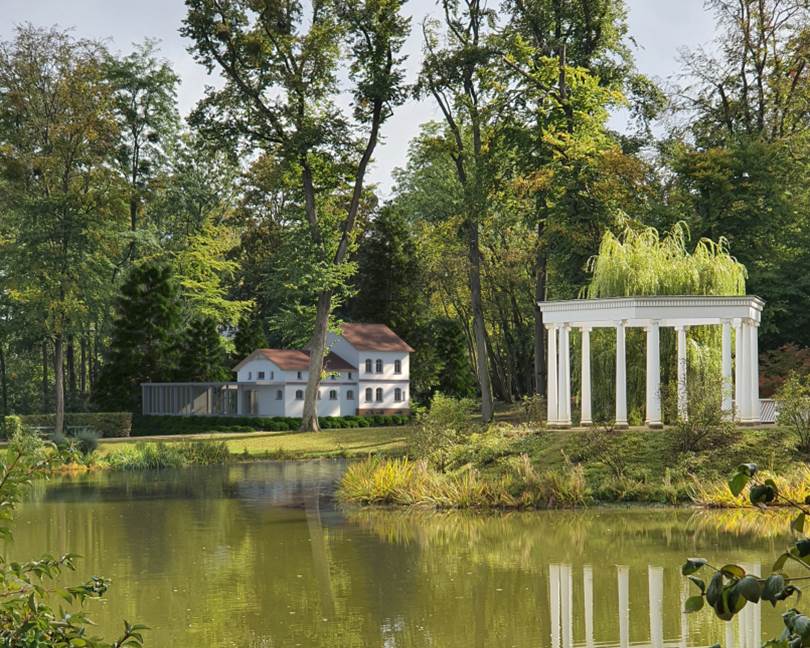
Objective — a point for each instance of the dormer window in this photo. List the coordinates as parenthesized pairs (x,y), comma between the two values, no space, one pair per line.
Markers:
(250,375)
(350,375)
(272,375)
(300,375)
(261,375)
(397,366)
(378,366)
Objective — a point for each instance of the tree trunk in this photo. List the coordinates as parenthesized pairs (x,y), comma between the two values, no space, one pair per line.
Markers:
(59,383)
(539,328)
(45,377)
(479,330)
(309,420)
(3,383)
(83,364)
(71,372)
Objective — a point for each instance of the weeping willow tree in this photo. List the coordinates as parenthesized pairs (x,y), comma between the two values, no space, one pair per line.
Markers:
(641,262)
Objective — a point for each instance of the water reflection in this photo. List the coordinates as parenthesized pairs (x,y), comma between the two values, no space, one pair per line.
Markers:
(259,555)
(562,581)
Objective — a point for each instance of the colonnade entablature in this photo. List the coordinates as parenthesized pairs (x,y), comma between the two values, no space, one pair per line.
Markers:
(740,373)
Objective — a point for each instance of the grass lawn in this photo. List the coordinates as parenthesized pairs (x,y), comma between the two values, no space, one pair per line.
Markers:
(340,442)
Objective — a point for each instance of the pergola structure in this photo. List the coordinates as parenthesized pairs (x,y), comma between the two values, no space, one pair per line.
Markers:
(740,396)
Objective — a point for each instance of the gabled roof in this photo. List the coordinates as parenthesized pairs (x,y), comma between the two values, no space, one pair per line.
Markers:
(296,360)
(373,337)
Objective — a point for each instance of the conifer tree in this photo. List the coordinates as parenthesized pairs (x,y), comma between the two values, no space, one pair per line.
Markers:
(141,349)
(201,355)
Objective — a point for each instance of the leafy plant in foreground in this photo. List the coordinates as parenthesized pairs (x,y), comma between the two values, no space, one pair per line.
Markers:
(730,588)
(28,618)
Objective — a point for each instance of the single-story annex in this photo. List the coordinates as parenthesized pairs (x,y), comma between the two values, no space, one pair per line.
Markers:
(367,371)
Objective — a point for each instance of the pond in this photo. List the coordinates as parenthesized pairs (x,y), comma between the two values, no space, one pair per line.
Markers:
(260,555)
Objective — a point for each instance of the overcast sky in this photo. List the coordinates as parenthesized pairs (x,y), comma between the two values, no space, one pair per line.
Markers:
(660,28)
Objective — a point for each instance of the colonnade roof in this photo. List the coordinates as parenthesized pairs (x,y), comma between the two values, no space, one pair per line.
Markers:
(666,310)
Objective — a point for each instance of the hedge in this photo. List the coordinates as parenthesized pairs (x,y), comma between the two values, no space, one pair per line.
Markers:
(105,424)
(167,425)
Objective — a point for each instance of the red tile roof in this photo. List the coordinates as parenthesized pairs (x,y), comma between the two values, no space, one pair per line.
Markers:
(297,360)
(373,337)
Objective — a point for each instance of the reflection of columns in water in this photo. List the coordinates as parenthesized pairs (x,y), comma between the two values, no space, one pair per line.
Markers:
(750,618)
(561,594)
(554,603)
(623,574)
(587,585)
(684,616)
(655,580)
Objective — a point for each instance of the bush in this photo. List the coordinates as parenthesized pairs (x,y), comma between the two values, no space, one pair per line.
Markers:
(87,442)
(444,425)
(205,453)
(793,401)
(534,409)
(105,424)
(707,426)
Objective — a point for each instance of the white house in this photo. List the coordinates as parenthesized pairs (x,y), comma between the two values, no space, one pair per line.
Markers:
(367,372)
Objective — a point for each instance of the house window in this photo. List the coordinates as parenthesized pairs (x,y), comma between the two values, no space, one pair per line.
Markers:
(250,375)
(378,368)
(398,395)
(272,375)
(279,394)
(369,395)
(333,394)
(261,375)
(397,366)
(350,394)
(350,375)
(299,394)
(300,374)
(379,395)
(368,365)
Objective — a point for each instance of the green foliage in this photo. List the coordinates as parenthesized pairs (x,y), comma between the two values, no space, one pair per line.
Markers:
(143,337)
(105,424)
(200,353)
(793,402)
(731,588)
(445,424)
(706,426)
(168,425)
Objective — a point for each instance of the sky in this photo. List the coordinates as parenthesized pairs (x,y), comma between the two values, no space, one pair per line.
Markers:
(660,28)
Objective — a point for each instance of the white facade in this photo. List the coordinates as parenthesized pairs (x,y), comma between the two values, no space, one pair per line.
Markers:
(272,382)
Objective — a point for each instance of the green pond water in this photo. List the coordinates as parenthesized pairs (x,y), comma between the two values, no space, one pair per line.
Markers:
(260,555)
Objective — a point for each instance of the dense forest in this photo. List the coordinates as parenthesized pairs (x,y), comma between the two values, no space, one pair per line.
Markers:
(140,244)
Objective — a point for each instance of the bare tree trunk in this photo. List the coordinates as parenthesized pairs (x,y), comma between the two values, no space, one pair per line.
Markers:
(71,372)
(59,383)
(479,330)
(83,363)
(45,377)
(539,328)
(3,379)
(317,346)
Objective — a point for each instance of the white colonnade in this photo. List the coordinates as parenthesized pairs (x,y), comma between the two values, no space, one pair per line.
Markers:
(740,386)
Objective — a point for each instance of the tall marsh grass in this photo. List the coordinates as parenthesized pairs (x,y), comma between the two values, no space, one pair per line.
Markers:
(795,486)
(159,456)
(414,483)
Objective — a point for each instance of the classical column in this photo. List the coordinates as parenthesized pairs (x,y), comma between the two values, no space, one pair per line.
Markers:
(753,350)
(586,417)
(744,408)
(551,373)
(739,374)
(727,385)
(653,413)
(564,385)
(621,377)
(683,409)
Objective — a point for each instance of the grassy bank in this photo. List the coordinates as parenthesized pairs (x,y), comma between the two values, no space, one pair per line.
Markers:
(287,445)
(520,467)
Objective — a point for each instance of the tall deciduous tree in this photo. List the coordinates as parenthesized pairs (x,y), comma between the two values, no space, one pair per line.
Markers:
(57,129)
(281,62)
(459,78)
